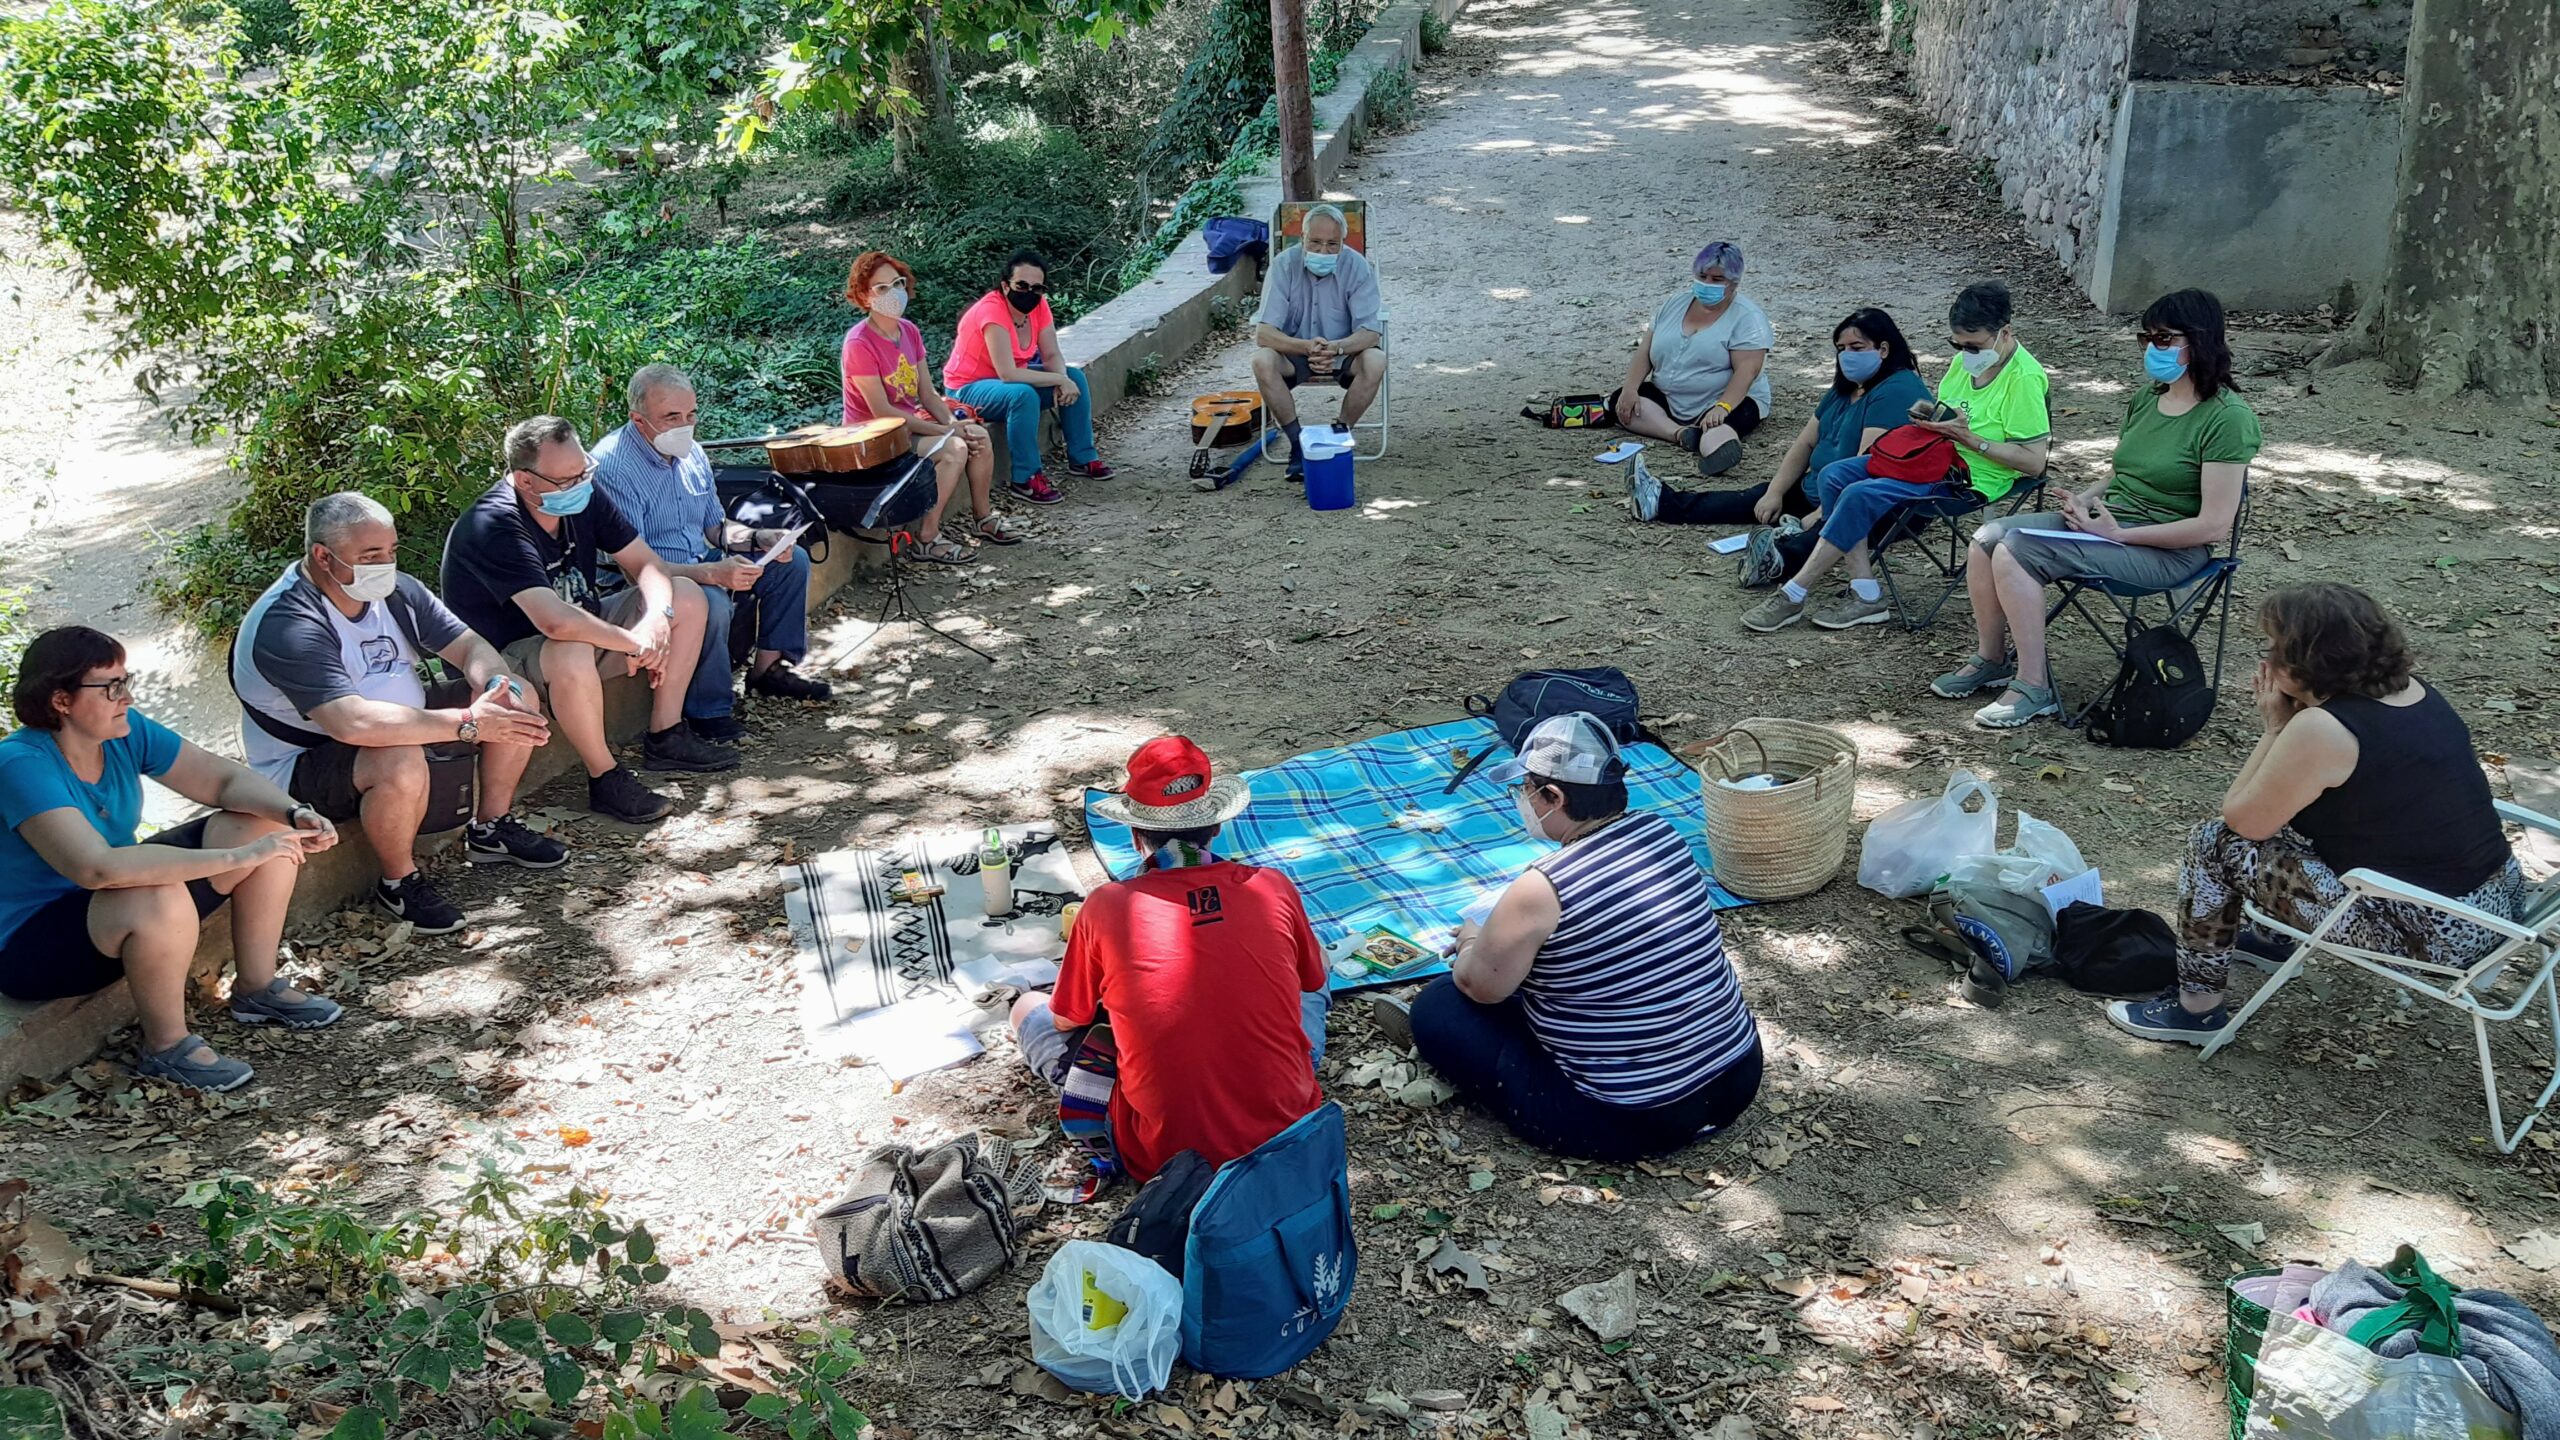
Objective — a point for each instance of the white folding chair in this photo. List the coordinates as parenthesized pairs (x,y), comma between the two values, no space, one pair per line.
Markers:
(2528,945)
(1286,222)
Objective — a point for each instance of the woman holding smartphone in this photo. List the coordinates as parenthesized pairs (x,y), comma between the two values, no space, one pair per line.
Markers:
(82,905)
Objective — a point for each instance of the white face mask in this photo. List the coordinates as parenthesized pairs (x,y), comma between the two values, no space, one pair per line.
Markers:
(673,443)
(371,582)
(1978,363)
(891,302)
(1530,820)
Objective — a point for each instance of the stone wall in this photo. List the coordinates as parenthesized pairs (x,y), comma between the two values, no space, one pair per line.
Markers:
(2031,86)
(2196,39)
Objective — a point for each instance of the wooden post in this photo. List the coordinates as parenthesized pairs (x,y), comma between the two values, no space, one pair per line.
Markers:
(1297,99)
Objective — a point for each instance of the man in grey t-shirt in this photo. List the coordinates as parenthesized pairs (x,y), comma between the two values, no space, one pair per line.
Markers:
(1320,320)
(333,710)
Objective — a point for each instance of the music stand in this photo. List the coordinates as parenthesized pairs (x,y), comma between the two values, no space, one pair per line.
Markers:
(895,602)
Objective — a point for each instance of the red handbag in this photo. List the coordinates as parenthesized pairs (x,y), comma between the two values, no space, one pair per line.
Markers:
(1923,457)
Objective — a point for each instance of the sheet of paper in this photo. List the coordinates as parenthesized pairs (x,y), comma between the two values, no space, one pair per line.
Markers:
(2078,536)
(2083,887)
(1619,453)
(1732,544)
(914,1036)
(783,546)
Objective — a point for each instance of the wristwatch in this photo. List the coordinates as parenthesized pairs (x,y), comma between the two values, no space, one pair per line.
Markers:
(290,820)
(468,730)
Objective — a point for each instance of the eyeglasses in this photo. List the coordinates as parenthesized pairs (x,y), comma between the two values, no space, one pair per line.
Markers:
(1027,287)
(2165,339)
(119,690)
(586,473)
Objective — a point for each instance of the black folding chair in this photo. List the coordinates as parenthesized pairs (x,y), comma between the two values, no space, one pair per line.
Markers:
(2203,595)
(1936,531)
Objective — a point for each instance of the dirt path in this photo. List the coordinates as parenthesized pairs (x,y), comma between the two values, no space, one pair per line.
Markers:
(1939,1220)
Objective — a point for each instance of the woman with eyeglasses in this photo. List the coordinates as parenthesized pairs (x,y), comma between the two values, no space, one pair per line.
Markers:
(1006,365)
(82,905)
(885,374)
(1699,376)
(2182,458)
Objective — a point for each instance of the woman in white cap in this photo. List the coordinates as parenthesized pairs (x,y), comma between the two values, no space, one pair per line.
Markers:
(1699,375)
(1594,1012)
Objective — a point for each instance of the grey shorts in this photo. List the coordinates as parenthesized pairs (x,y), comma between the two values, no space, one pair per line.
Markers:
(621,608)
(2049,559)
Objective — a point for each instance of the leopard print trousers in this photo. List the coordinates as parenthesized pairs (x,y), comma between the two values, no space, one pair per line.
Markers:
(2287,879)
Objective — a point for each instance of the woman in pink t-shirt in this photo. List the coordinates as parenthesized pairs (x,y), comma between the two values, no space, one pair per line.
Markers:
(884,374)
(1006,365)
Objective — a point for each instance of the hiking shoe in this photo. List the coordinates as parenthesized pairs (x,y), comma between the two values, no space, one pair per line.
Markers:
(718,729)
(1722,458)
(272,1006)
(1975,674)
(2033,702)
(218,1074)
(1762,563)
(1644,491)
(1773,614)
(1090,470)
(509,841)
(676,748)
(1849,610)
(1037,490)
(782,682)
(2163,1017)
(617,794)
(414,900)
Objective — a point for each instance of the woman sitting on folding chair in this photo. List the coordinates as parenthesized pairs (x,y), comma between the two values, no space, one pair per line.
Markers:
(2182,458)
(2362,766)
(886,374)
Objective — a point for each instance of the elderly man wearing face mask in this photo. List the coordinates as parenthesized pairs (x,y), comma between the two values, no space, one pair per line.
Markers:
(333,711)
(1319,322)
(661,482)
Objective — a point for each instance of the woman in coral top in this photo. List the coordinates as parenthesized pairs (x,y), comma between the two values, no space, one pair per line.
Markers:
(1006,365)
(884,375)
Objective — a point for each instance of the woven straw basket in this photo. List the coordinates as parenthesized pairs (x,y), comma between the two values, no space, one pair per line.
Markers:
(1779,843)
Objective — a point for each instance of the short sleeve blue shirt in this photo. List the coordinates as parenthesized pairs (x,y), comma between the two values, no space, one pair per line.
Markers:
(35,777)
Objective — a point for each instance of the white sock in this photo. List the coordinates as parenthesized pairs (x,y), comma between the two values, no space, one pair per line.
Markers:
(1794,592)
(1866,590)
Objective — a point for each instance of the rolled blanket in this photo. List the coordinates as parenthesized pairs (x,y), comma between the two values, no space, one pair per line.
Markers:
(2505,1346)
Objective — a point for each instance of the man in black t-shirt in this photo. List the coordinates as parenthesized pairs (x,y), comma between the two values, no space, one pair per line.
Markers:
(520,567)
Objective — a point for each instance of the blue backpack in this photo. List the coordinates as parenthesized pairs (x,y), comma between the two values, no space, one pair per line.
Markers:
(1267,1270)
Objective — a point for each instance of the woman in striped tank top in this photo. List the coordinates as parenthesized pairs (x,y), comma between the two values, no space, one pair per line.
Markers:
(1594,1013)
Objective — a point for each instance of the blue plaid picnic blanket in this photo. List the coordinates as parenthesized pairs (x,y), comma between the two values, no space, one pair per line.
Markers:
(1330,820)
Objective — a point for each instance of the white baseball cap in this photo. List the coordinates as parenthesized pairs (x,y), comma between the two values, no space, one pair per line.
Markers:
(1574,748)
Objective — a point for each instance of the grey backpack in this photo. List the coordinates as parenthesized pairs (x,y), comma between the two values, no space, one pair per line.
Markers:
(931,1224)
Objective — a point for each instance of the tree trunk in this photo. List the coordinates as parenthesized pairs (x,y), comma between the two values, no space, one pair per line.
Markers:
(938,59)
(2471,293)
(1297,99)
(905,112)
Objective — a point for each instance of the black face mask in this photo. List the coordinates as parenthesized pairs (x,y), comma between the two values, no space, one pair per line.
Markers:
(1025,301)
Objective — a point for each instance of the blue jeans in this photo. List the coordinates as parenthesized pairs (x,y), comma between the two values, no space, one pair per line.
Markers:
(1018,407)
(1853,505)
(782,624)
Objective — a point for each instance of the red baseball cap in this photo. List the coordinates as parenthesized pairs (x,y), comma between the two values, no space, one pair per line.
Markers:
(1172,786)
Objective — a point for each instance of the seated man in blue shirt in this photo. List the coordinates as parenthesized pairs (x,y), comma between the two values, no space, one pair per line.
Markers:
(1319,321)
(659,479)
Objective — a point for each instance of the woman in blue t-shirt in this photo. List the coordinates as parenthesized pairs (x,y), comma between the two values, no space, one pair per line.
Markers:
(82,905)
(1873,386)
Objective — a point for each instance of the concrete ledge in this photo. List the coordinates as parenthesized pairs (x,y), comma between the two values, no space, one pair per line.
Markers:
(1166,316)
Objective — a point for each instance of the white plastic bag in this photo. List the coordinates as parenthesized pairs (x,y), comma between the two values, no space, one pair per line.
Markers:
(1106,1320)
(2316,1384)
(1911,845)
(2040,855)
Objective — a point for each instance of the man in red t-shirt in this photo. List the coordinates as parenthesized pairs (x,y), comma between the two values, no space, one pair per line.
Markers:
(1207,970)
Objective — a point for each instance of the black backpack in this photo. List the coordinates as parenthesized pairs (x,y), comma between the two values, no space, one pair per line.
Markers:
(1157,1223)
(1604,692)
(2160,696)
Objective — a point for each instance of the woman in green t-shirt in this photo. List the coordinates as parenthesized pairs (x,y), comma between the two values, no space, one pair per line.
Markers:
(2182,456)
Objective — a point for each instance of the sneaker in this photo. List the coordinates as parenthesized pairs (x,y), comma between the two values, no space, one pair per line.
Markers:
(218,1074)
(782,682)
(676,748)
(509,841)
(2263,951)
(1849,610)
(2033,701)
(617,794)
(1688,438)
(1037,490)
(1773,614)
(273,1005)
(414,900)
(1394,1019)
(1762,563)
(1296,473)
(2164,1017)
(1644,491)
(1975,674)
(718,729)
(1722,458)
(1090,470)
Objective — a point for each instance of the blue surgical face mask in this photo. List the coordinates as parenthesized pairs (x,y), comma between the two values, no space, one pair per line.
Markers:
(1709,294)
(571,500)
(2164,365)
(1861,365)
(1322,264)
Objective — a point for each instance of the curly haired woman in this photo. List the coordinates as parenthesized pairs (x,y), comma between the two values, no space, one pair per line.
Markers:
(2363,766)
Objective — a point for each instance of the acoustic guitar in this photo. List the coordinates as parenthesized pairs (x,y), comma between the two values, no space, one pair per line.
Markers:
(1222,418)
(828,449)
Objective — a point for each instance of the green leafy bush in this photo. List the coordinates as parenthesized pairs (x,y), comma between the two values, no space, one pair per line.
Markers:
(1393,100)
(1435,33)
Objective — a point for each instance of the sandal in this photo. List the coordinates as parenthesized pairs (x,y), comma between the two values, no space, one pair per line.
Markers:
(993,529)
(941,551)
